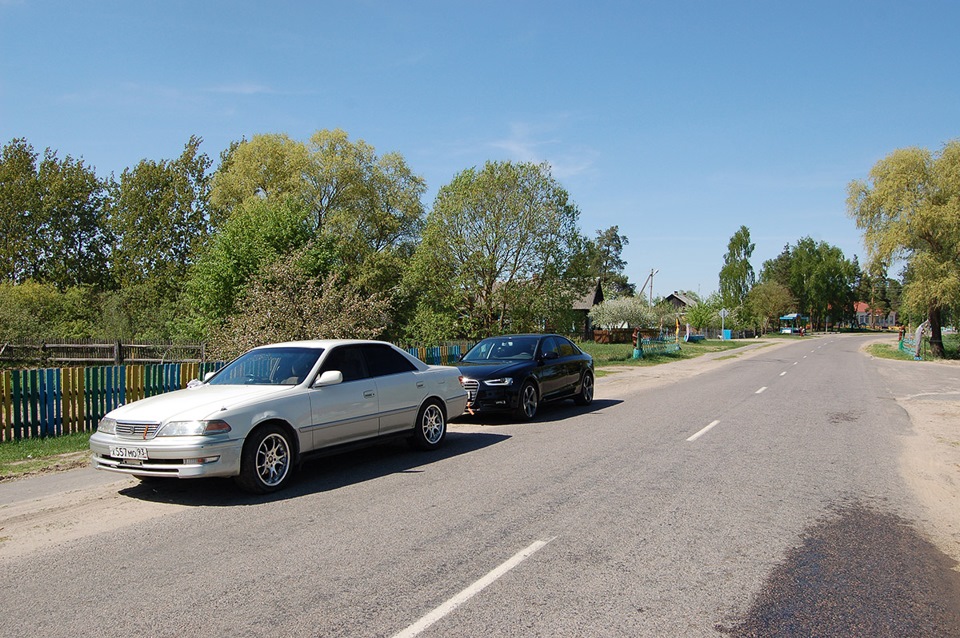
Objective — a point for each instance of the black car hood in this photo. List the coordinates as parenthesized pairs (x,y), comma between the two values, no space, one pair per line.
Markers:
(493,369)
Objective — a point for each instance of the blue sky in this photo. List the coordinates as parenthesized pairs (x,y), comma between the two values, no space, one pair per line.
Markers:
(678,121)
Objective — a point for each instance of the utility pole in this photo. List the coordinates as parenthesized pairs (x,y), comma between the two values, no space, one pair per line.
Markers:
(649,280)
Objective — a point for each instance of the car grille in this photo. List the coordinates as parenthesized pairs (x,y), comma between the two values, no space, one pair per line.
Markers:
(137,430)
(471,386)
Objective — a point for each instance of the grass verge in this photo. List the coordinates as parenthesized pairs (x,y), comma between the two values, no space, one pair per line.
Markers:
(32,456)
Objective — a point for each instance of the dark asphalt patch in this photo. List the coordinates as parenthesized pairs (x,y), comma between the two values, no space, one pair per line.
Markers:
(858,573)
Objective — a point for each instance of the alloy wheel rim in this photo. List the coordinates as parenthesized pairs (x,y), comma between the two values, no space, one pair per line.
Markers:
(273,460)
(432,424)
(529,401)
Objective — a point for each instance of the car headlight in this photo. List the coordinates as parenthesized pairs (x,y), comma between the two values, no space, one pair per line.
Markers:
(107,426)
(194,428)
(502,381)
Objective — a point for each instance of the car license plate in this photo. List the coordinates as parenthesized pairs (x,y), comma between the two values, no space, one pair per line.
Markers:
(129,453)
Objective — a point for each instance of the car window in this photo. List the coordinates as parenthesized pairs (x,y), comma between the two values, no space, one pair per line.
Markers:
(384,360)
(503,349)
(567,349)
(549,345)
(269,366)
(349,361)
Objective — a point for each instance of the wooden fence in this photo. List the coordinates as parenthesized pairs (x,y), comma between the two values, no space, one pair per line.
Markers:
(58,401)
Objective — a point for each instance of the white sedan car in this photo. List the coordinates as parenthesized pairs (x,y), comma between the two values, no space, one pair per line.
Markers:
(259,416)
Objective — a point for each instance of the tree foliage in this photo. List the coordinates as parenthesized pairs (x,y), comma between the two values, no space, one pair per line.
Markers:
(501,250)
(606,263)
(736,275)
(285,303)
(818,276)
(51,219)
(909,210)
(622,312)
(159,217)
(767,302)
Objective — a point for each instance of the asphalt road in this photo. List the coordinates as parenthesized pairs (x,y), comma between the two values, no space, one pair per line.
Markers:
(761,498)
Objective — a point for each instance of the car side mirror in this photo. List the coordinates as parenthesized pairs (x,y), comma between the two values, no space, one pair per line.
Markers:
(330,377)
(553,354)
(208,376)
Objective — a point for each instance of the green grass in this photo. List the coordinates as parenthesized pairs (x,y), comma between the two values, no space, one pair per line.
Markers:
(620,354)
(887,351)
(27,456)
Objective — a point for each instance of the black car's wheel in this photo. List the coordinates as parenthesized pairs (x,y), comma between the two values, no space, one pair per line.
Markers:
(431,426)
(529,400)
(585,396)
(266,464)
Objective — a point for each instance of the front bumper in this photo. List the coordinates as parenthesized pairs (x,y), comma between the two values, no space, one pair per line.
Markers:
(176,457)
(482,398)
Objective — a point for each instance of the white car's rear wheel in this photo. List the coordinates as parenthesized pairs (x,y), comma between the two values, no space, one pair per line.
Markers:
(431,427)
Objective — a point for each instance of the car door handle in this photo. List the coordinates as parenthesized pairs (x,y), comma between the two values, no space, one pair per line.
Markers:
(419,384)
(369,394)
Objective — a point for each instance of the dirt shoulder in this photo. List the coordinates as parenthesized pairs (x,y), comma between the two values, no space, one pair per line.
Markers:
(929,392)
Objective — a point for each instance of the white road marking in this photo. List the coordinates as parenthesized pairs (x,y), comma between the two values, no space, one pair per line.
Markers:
(703,431)
(783,373)
(795,362)
(760,390)
(471,591)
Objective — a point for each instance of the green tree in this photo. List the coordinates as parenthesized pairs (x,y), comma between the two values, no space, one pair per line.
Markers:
(284,303)
(20,216)
(37,311)
(819,278)
(910,210)
(501,248)
(158,214)
(607,264)
(736,275)
(702,315)
(73,242)
(367,207)
(768,301)
(257,233)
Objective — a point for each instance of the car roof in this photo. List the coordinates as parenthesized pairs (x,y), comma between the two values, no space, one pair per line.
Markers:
(322,343)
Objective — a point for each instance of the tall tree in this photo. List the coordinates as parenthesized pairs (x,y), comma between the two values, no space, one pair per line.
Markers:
(159,216)
(910,210)
(20,215)
(74,242)
(497,251)
(367,206)
(736,275)
(607,264)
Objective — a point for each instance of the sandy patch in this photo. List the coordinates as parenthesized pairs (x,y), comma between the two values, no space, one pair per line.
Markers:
(31,525)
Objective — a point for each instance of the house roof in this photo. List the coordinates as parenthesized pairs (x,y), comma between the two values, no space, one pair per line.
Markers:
(682,298)
(590,299)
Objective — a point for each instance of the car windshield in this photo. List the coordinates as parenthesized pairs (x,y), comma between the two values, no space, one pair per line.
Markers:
(503,349)
(269,366)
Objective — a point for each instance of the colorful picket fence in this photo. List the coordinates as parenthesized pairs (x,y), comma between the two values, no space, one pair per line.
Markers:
(57,401)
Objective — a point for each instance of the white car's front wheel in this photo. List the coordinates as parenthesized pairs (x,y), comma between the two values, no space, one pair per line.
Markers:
(267,461)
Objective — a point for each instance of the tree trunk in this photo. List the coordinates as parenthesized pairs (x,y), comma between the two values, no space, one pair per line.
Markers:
(936,334)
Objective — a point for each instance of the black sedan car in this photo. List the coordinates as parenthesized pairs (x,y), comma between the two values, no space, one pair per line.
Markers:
(518,372)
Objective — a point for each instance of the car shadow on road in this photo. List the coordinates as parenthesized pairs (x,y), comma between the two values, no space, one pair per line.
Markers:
(546,413)
(320,474)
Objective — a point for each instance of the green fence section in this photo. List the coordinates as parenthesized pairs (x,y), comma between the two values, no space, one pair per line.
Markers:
(57,401)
